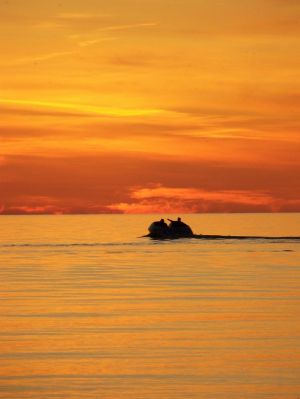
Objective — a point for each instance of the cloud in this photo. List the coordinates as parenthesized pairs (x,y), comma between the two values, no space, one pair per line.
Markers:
(234,196)
(128,26)
(81,15)
(91,40)
(37,58)
(68,129)
(39,205)
(16,111)
(85,108)
(43,57)
(81,40)
(73,20)
(12,133)
(143,183)
(191,200)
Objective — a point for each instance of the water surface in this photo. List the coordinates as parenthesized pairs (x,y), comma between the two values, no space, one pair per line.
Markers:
(89,310)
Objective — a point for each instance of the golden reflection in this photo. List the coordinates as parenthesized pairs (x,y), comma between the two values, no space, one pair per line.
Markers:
(131,318)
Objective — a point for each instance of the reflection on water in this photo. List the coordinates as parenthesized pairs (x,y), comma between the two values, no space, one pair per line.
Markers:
(127,317)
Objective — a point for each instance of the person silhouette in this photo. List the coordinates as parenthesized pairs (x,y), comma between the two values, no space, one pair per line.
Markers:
(162,223)
(177,222)
(159,228)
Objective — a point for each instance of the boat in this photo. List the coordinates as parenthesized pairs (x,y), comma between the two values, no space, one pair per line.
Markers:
(159,230)
(176,229)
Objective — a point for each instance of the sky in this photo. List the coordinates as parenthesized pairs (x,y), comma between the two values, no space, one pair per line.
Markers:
(149,106)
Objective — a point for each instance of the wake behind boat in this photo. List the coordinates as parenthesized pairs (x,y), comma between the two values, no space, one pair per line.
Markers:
(160,230)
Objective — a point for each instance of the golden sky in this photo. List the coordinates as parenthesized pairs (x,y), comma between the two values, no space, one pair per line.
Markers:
(149,106)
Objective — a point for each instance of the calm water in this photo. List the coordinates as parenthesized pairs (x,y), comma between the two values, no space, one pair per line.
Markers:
(89,310)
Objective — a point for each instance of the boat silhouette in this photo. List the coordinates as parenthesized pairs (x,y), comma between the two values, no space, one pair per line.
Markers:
(159,230)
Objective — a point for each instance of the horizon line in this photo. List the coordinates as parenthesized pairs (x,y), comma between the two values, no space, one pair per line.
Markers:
(145,214)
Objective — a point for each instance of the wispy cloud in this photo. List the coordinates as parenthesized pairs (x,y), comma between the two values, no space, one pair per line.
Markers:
(72,19)
(43,57)
(129,26)
(80,15)
(85,41)
(92,42)
(80,40)
(86,109)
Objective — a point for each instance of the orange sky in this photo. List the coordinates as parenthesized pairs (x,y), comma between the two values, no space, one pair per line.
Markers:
(149,106)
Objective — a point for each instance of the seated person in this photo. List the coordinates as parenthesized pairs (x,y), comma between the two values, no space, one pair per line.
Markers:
(177,227)
(159,228)
(162,223)
(177,222)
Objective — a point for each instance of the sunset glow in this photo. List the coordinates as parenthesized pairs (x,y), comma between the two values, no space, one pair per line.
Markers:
(149,107)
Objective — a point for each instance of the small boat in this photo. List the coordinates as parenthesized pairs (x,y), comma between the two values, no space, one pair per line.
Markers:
(176,229)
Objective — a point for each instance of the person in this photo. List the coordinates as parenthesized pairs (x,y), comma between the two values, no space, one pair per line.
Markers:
(162,223)
(178,227)
(159,228)
(177,222)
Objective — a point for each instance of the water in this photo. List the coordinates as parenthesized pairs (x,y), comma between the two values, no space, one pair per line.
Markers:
(89,310)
